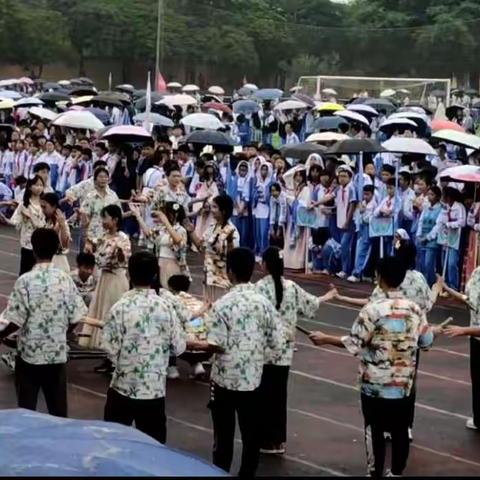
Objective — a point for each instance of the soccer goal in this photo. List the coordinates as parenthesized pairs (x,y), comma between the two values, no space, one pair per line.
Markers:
(404,90)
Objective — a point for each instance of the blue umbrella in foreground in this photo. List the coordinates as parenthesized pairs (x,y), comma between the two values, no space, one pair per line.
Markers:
(35,444)
(327,123)
(245,107)
(102,115)
(268,93)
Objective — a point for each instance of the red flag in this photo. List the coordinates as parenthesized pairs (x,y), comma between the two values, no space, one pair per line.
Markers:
(160,84)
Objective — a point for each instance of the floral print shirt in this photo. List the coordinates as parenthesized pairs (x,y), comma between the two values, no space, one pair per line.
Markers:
(140,334)
(386,336)
(296,303)
(245,325)
(26,225)
(218,241)
(92,206)
(106,254)
(166,194)
(81,190)
(472,291)
(44,303)
(414,287)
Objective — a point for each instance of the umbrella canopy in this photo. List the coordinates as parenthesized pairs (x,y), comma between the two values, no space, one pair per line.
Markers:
(127,134)
(268,93)
(329,91)
(181,100)
(209,137)
(141,103)
(458,138)
(85,90)
(190,88)
(409,145)
(106,100)
(86,99)
(28,102)
(245,106)
(9,82)
(42,113)
(355,145)
(305,99)
(365,110)
(438,93)
(78,119)
(250,86)
(389,92)
(54,97)
(290,105)
(245,92)
(216,90)
(87,81)
(302,151)
(329,107)
(174,85)
(64,83)
(125,87)
(51,86)
(10,94)
(26,81)
(102,115)
(88,448)
(352,116)
(326,137)
(463,173)
(6,104)
(446,125)
(155,119)
(392,124)
(202,120)
(328,123)
(221,107)
(380,104)
(419,118)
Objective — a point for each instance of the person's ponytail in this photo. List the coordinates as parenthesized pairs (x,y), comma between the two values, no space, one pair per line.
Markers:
(273,259)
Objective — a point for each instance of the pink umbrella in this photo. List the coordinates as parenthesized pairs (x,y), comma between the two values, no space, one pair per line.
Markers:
(26,81)
(463,173)
(446,124)
(127,134)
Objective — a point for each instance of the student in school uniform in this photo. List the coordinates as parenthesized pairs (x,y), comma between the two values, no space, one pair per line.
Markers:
(407,196)
(239,192)
(278,215)
(386,209)
(261,207)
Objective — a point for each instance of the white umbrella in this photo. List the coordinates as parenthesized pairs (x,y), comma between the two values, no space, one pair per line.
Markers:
(202,120)
(82,99)
(78,119)
(6,104)
(363,109)
(290,105)
(10,94)
(9,82)
(389,92)
(250,86)
(181,99)
(42,113)
(329,91)
(409,145)
(353,116)
(458,138)
(174,85)
(28,102)
(64,83)
(326,137)
(398,121)
(190,88)
(411,115)
(216,90)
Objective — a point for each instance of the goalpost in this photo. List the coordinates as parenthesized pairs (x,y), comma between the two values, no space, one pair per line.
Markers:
(413,89)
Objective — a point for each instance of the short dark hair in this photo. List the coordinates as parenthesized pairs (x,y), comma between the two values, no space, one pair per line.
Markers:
(51,198)
(115,212)
(225,205)
(99,170)
(171,167)
(241,262)
(87,152)
(41,166)
(143,269)
(408,254)
(45,243)
(99,163)
(388,168)
(276,186)
(85,259)
(406,176)
(436,191)
(392,271)
(390,182)
(179,283)
(369,188)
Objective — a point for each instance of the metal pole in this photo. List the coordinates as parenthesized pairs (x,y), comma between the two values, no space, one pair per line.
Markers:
(159,31)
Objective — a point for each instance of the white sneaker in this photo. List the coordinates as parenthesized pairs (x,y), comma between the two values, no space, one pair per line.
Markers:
(471,425)
(390,474)
(353,279)
(324,272)
(410,434)
(341,274)
(198,370)
(387,435)
(258,259)
(172,373)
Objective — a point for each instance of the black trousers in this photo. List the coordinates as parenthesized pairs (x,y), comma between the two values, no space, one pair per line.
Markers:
(413,393)
(386,415)
(475,377)
(51,379)
(224,404)
(273,393)
(27,260)
(148,415)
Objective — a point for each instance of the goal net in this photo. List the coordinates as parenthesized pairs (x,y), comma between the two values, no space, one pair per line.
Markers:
(404,90)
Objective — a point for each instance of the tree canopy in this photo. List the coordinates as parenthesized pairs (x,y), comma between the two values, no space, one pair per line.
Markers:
(270,41)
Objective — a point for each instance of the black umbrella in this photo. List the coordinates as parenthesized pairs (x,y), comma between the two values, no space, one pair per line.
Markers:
(355,145)
(87,81)
(471,91)
(380,103)
(125,88)
(76,82)
(328,123)
(81,91)
(209,137)
(54,97)
(51,86)
(139,93)
(302,151)
(119,96)
(304,98)
(102,101)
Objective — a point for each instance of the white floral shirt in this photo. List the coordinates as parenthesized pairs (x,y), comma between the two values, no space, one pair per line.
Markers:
(106,254)
(81,190)
(26,225)
(165,194)
(140,334)
(472,291)
(414,287)
(178,308)
(245,325)
(92,207)
(296,303)
(44,303)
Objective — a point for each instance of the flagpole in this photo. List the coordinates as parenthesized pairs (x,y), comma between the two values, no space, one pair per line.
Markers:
(159,32)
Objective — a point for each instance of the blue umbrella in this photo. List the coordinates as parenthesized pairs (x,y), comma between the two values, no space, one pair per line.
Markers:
(11,94)
(155,118)
(268,94)
(102,115)
(35,444)
(328,123)
(245,106)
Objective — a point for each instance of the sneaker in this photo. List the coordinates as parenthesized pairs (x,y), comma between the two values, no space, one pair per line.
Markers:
(273,449)
(172,373)
(198,370)
(324,272)
(387,435)
(471,425)
(353,279)
(410,435)
(9,360)
(390,474)
(341,275)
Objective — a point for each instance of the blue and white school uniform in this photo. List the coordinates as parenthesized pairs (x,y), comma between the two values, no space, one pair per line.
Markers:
(364,243)
(238,188)
(261,209)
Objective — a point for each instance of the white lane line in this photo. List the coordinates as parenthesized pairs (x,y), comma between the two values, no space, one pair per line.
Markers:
(310,415)
(423,372)
(9,274)
(10,254)
(330,471)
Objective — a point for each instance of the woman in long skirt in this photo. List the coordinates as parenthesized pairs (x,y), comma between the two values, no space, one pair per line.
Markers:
(209,190)
(292,302)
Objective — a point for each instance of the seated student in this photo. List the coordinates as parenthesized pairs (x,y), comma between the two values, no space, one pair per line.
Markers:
(84,276)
